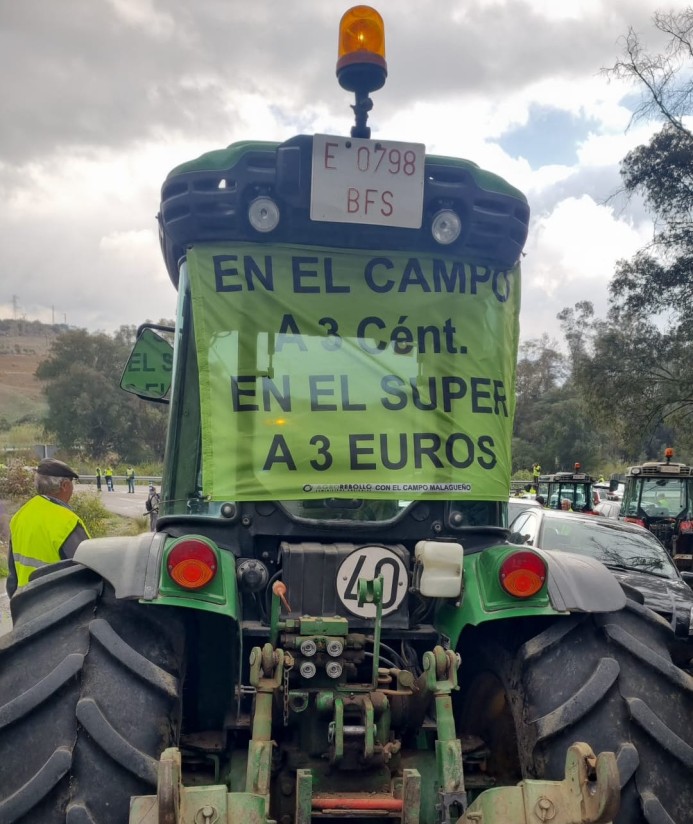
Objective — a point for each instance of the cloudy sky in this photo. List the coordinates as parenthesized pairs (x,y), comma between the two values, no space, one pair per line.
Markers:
(101,98)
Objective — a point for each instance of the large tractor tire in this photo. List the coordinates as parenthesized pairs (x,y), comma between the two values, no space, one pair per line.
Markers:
(605,679)
(90,695)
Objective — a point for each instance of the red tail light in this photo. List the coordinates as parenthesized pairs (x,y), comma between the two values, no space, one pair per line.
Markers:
(522,574)
(192,564)
(638,521)
(686,526)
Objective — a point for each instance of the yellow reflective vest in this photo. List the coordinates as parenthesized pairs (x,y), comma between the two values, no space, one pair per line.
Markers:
(38,531)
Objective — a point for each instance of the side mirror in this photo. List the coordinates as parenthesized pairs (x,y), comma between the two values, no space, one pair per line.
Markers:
(687,576)
(147,373)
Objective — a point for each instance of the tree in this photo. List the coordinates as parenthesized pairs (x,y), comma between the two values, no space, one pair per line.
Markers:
(551,424)
(636,370)
(636,378)
(87,408)
(668,93)
(541,368)
(658,279)
(577,328)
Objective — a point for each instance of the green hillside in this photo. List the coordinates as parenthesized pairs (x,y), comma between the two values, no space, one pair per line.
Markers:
(23,345)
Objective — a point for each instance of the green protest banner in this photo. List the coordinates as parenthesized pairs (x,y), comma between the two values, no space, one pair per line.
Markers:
(148,370)
(342,373)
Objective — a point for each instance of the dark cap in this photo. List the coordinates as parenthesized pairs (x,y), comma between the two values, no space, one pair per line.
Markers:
(55,469)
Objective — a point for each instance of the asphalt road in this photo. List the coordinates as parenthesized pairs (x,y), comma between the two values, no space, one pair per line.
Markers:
(120,501)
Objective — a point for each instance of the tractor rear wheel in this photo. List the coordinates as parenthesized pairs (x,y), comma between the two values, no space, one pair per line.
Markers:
(90,695)
(605,679)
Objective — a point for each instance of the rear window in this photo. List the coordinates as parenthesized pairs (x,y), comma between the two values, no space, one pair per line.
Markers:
(610,544)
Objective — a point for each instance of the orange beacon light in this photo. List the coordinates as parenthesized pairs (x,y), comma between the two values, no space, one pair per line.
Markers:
(361,65)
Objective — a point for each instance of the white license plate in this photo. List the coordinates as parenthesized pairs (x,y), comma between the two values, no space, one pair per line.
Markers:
(377,182)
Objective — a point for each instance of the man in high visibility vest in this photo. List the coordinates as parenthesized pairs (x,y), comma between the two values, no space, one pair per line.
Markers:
(45,530)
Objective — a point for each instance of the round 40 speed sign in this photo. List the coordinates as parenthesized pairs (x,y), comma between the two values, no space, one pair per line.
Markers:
(371,562)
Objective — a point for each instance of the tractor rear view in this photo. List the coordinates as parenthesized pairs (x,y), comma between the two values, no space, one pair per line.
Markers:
(576,487)
(659,496)
(329,622)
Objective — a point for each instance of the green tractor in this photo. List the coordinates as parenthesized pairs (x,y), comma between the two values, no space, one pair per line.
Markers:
(329,622)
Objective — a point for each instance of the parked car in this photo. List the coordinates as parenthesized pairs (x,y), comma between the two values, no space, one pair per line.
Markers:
(609,509)
(633,554)
(611,491)
(517,505)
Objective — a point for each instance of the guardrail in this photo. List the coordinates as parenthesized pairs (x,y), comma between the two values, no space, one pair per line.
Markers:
(121,479)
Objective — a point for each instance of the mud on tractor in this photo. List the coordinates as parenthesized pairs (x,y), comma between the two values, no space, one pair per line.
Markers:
(329,622)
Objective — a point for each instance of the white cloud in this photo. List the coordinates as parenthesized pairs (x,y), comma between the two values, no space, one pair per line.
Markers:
(567,9)
(141,14)
(580,240)
(610,149)
(570,256)
(125,244)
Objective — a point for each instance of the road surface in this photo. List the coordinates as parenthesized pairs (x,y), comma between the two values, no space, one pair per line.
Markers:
(119,501)
(122,502)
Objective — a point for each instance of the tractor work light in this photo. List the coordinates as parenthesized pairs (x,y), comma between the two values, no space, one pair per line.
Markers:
(361,65)
(446,227)
(192,564)
(522,574)
(263,214)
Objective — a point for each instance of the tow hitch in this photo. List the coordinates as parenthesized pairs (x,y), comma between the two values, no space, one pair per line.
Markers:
(589,794)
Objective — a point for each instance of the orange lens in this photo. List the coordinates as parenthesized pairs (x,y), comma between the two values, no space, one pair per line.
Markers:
(192,564)
(361,29)
(522,574)
(637,521)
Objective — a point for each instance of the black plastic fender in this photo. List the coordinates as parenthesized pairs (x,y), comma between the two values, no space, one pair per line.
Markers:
(577,583)
(131,565)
